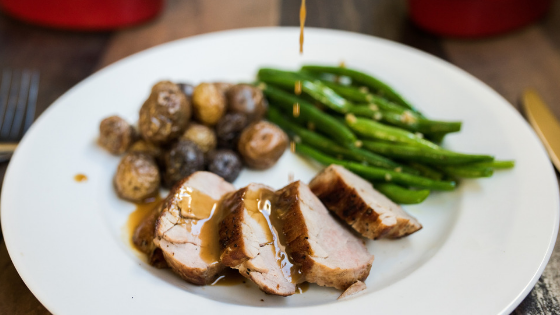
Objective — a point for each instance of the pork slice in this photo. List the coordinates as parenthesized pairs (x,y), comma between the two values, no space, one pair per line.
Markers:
(251,244)
(355,201)
(187,228)
(329,254)
(143,238)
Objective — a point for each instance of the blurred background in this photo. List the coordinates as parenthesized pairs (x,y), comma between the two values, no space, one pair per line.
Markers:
(508,44)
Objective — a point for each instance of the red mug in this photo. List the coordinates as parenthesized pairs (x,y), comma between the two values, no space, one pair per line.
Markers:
(83,14)
(475,18)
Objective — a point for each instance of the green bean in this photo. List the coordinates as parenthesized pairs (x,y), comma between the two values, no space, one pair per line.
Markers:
(436,137)
(497,165)
(361,98)
(321,92)
(314,89)
(326,96)
(325,145)
(351,93)
(406,120)
(476,170)
(374,130)
(385,105)
(377,174)
(423,154)
(365,79)
(467,171)
(426,171)
(309,113)
(402,195)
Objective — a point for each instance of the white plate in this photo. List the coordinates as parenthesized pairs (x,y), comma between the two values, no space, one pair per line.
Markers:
(482,248)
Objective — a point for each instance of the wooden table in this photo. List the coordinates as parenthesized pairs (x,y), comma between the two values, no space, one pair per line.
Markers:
(508,63)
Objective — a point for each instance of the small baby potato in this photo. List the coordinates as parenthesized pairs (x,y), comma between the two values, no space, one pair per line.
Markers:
(165,114)
(209,103)
(142,146)
(116,134)
(229,129)
(137,177)
(223,86)
(262,144)
(225,163)
(187,89)
(181,160)
(203,136)
(248,100)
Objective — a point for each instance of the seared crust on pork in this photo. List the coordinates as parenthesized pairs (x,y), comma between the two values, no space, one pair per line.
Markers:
(355,201)
(143,238)
(328,253)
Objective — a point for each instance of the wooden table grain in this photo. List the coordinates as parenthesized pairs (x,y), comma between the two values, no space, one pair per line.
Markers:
(529,57)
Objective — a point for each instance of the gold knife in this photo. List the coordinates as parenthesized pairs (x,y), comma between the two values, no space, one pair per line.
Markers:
(545,124)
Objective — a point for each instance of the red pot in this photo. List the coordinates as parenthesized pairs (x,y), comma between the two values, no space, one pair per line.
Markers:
(83,14)
(475,18)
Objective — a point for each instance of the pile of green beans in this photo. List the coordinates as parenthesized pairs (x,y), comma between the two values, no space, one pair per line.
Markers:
(366,126)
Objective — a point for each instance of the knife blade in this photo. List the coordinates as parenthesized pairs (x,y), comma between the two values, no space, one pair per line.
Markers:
(545,124)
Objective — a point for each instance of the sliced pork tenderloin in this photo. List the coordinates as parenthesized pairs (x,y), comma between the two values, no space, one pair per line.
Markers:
(328,253)
(187,228)
(143,238)
(250,242)
(355,201)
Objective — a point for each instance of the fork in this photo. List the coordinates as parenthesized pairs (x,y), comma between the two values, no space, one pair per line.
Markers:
(18,98)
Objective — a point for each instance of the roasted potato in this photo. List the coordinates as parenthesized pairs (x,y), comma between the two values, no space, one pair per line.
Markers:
(187,89)
(142,146)
(225,163)
(203,136)
(137,177)
(223,86)
(209,103)
(181,160)
(116,134)
(165,114)
(229,129)
(247,99)
(262,144)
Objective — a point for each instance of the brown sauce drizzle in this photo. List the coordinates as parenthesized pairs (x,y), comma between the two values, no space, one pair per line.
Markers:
(142,210)
(302,288)
(263,208)
(295,110)
(297,87)
(80,178)
(302,15)
(200,215)
(230,277)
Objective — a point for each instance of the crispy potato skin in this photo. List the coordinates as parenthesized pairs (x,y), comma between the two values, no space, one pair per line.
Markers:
(209,103)
(116,134)
(165,114)
(142,146)
(137,177)
(202,136)
(182,159)
(262,144)
(248,100)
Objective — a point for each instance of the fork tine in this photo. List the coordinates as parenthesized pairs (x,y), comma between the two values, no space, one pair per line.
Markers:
(20,107)
(31,100)
(4,92)
(12,101)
